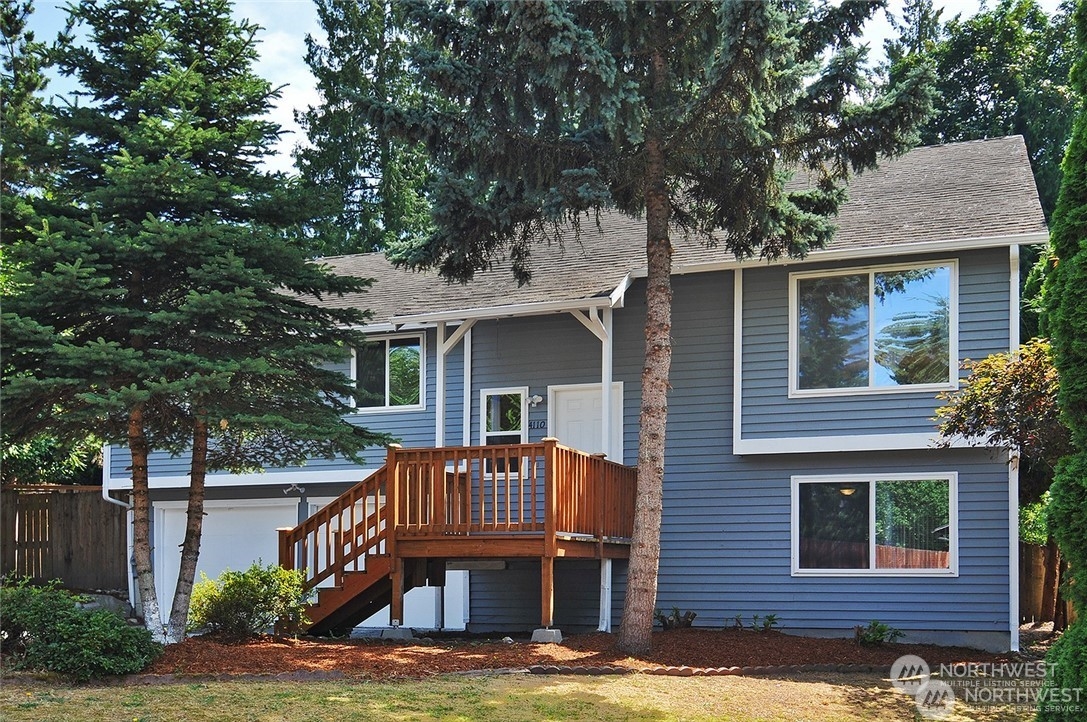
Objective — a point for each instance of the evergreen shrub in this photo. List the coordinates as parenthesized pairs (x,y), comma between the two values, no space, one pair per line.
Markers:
(244,604)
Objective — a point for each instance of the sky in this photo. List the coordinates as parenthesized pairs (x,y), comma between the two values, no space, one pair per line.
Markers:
(286,23)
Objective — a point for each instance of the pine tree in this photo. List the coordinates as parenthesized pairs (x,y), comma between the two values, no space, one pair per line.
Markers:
(371,183)
(1066,321)
(161,301)
(689,115)
(24,124)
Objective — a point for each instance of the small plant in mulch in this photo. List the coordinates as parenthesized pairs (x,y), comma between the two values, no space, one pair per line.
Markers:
(759,623)
(876,634)
(674,620)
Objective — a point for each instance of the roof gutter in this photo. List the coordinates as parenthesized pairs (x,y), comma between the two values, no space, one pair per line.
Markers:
(616,298)
(848,254)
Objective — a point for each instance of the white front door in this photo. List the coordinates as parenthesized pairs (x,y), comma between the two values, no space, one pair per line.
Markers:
(574,418)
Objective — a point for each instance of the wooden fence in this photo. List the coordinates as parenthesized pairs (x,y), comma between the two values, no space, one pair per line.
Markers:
(1032,564)
(64,532)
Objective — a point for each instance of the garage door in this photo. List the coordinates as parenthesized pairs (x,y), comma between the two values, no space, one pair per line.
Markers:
(236,534)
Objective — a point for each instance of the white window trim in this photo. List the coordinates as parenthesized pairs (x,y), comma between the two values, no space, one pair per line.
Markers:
(953,332)
(952,532)
(484,393)
(385,338)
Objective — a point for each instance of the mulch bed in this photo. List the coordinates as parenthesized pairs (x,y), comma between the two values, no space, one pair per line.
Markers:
(380,660)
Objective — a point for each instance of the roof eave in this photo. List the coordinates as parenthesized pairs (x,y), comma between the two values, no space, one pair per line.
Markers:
(612,300)
(847,254)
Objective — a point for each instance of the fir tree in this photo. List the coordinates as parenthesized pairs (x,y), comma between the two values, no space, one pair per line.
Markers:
(689,115)
(161,302)
(371,183)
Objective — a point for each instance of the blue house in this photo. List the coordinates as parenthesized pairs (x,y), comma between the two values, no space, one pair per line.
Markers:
(801,479)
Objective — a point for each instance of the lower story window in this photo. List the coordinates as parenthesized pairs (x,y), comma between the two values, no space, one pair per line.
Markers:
(887,525)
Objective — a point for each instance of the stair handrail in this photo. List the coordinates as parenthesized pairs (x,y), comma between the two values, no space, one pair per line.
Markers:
(295,545)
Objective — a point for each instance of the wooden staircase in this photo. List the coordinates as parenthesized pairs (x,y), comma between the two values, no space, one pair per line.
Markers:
(346,541)
(397,528)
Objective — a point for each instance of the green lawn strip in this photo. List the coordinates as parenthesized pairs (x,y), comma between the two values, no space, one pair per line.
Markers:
(502,698)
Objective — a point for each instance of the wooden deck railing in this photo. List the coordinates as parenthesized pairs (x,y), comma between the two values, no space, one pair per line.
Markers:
(512,489)
(339,536)
(541,489)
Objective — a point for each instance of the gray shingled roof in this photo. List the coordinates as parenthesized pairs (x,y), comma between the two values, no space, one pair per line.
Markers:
(947,194)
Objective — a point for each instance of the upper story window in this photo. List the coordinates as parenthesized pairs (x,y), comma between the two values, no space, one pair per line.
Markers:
(389,373)
(867,330)
(881,525)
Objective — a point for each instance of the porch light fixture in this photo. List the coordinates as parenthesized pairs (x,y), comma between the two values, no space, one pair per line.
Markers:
(847,490)
(535,400)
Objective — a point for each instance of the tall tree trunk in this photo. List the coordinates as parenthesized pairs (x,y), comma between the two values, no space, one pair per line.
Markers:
(194,524)
(1051,560)
(1060,611)
(141,525)
(635,632)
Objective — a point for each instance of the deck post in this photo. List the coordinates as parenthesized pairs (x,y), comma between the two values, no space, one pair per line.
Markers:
(392,498)
(396,606)
(286,557)
(547,592)
(549,494)
(605,595)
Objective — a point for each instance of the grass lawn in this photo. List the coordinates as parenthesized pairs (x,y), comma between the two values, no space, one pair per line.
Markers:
(502,698)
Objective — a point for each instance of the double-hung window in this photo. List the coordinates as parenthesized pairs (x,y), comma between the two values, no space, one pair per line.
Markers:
(389,373)
(882,525)
(873,330)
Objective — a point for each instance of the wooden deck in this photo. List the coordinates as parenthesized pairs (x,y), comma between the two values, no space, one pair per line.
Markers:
(428,506)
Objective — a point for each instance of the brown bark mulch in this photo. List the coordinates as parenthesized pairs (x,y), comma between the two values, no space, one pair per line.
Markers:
(380,660)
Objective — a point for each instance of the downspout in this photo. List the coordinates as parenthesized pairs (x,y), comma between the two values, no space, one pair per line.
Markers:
(606,358)
(107,457)
(1013,469)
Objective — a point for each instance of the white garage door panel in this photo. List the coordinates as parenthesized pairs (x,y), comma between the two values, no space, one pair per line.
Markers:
(235,535)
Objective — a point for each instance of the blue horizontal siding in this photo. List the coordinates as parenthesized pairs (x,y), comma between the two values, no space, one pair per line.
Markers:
(768,412)
(726,528)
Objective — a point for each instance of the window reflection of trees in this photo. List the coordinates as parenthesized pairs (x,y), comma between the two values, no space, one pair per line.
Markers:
(833,333)
(910,346)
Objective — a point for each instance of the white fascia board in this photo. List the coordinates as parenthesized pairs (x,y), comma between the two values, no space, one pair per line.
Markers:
(830,444)
(370,328)
(513,309)
(851,254)
(285,477)
(618,296)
